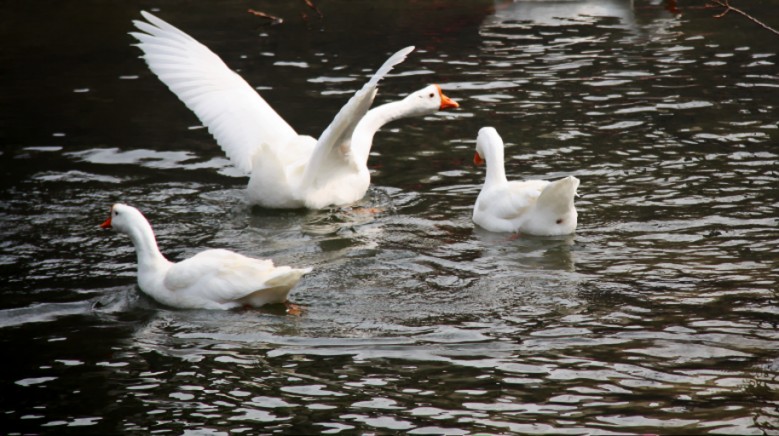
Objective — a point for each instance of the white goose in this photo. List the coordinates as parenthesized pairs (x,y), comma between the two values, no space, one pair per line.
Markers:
(536,207)
(287,170)
(211,279)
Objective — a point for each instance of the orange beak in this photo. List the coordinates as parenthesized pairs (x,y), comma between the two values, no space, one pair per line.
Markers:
(477,160)
(446,102)
(107,223)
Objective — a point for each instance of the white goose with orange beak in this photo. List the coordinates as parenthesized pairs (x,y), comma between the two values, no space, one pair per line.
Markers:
(211,279)
(287,170)
(536,207)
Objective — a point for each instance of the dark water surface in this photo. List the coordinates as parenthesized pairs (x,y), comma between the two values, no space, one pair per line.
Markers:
(658,316)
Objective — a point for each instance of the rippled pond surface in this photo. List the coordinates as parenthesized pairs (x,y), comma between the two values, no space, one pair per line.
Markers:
(658,316)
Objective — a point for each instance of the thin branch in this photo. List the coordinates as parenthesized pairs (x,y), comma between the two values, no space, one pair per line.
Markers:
(311,5)
(722,14)
(726,4)
(274,19)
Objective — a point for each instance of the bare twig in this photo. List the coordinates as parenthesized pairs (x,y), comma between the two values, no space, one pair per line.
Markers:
(311,5)
(726,4)
(274,19)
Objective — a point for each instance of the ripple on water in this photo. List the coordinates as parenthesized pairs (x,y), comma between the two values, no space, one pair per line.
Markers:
(415,321)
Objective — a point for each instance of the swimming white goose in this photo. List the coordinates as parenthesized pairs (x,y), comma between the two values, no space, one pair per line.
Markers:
(287,170)
(211,279)
(536,207)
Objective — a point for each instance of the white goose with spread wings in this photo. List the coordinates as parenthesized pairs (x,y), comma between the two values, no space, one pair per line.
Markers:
(537,207)
(287,170)
(211,279)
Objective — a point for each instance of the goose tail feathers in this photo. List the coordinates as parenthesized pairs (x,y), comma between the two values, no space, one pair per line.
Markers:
(558,196)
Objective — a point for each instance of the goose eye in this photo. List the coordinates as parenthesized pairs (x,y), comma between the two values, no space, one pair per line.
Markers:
(432,95)
(116,212)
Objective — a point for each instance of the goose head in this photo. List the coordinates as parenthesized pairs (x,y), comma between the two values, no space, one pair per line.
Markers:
(428,100)
(488,138)
(123,218)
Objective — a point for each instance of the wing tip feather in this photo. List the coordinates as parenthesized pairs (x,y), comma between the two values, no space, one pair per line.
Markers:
(389,64)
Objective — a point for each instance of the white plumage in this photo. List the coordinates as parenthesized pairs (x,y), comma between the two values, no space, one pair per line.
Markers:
(537,207)
(287,170)
(211,279)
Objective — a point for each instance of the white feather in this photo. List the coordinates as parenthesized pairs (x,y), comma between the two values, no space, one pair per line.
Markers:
(233,111)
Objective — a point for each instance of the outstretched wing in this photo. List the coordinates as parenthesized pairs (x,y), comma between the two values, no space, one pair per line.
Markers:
(235,114)
(327,150)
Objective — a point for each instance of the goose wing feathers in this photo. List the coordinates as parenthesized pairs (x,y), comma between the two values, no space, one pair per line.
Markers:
(512,202)
(235,114)
(225,276)
(332,146)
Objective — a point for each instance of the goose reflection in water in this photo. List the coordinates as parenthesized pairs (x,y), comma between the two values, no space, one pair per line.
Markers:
(562,13)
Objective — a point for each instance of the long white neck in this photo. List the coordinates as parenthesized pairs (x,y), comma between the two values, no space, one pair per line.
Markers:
(149,255)
(362,137)
(496,172)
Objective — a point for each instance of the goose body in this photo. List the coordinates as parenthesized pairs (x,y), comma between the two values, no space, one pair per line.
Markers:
(287,170)
(537,207)
(211,279)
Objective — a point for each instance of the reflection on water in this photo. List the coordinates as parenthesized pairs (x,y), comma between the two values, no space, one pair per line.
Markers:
(529,14)
(658,316)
